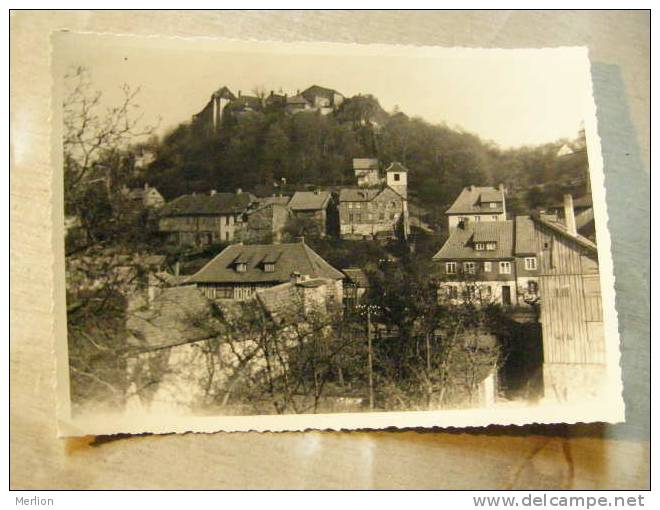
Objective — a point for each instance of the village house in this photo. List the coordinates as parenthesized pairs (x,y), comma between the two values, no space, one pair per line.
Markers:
(475,204)
(313,205)
(240,270)
(296,104)
(368,213)
(366,172)
(148,197)
(571,312)
(490,262)
(200,219)
(170,345)
(265,222)
(323,99)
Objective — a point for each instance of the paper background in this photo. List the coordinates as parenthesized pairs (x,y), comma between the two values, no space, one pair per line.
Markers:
(549,457)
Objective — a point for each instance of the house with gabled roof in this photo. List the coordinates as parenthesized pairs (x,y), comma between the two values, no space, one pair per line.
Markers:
(490,261)
(239,271)
(366,171)
(323,99)
(477,204)
(376,212)
(201,218)
(313,205)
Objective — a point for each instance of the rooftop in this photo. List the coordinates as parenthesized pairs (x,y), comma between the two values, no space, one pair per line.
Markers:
(461,242)
(208,204)
(472,199)
(365,163)
(358,194)
(309,200)
(289,258)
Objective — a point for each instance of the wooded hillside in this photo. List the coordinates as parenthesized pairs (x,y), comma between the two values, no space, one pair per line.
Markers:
(272,151)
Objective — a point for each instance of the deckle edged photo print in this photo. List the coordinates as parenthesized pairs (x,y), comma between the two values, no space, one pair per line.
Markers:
(269,236)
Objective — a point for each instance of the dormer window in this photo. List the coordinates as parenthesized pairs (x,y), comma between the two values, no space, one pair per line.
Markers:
(480,246)
(397,177)
(269,267)
(493,205)
(241,267)
(491,246)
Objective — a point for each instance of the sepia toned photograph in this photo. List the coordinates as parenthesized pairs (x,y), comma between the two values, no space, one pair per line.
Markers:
(261,236)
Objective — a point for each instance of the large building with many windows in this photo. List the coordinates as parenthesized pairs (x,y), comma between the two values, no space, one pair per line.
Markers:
(490,261)
(477,204)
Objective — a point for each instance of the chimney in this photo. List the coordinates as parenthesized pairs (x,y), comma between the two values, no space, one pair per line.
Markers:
(569,215)
(212,192)
(239,93)
(271,93)
(295,277)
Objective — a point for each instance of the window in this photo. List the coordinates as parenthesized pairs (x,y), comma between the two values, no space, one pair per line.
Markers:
(452,292)
(505,267)
(469,267)
(488,267)
(532,287)
(491,246)
(381,216)
(269,267)
(486,292)
(477,218)
(479,246)
(495,218)
(350,205)
(226,220)
(450,267)
(224,292)
(241,267)
(226,236)
(493,205)
(397,177)
(530,263)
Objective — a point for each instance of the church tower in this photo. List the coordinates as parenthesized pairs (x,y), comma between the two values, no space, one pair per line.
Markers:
(397,179)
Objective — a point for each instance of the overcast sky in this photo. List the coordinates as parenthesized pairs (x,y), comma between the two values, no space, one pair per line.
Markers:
(512,98)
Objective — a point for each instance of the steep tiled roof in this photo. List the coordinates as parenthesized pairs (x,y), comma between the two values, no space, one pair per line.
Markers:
(294,257)
(460,244)
(525,236)
(356,276)
(273,200)
(357,194)
(309,200)
(365,163)
(203,204)
(470,199)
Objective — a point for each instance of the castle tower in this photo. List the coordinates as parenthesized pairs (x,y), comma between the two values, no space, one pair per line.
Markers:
(220,98)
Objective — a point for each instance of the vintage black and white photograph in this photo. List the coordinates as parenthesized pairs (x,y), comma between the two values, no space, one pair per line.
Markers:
(276,236)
